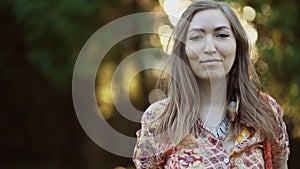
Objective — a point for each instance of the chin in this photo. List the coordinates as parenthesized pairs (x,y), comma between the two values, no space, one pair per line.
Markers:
(213,75)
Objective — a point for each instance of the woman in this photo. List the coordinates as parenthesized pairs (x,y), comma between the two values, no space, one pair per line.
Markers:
(214,116)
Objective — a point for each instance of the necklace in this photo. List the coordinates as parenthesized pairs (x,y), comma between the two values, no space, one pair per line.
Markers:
(220,131)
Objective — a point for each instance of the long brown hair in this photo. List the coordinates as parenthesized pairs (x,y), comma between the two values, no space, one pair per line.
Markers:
(182,111)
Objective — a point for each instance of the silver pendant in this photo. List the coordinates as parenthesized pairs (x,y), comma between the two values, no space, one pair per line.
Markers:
(221,130)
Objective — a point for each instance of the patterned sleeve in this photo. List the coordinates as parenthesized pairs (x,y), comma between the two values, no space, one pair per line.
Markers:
(144,152)
(280,149)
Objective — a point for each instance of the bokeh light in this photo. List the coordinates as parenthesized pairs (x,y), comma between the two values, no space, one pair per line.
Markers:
(175,8)
(103,90)
(249,13)
(165,32)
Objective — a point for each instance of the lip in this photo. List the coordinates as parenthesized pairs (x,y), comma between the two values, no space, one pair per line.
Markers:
(211,61)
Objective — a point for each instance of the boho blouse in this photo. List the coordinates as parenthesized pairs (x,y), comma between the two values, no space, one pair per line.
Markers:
(204,150)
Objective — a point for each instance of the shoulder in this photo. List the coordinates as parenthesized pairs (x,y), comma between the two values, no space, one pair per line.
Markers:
(280,148)
(277,109)
(153,112)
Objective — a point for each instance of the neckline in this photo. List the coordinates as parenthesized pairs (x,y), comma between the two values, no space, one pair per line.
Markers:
(220,131)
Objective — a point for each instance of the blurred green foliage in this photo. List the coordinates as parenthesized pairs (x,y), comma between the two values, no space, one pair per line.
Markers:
(40,41)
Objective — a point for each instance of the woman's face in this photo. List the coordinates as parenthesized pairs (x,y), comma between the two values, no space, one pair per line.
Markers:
(210,44)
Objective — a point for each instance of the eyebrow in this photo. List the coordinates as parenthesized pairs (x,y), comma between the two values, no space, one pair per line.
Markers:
(216,29)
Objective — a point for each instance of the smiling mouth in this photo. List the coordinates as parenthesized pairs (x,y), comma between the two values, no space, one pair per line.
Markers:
(211,61)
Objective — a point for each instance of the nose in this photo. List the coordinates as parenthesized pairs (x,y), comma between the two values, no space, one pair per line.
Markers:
(209,46)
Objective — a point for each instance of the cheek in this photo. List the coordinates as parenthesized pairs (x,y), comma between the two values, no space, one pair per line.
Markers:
(196,68)
(230,55)
(191,52)
(228,48)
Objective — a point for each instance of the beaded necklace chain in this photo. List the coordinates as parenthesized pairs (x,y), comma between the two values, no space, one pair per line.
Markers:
(220,131)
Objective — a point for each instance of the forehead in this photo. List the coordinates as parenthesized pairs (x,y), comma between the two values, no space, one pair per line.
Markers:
(209,18)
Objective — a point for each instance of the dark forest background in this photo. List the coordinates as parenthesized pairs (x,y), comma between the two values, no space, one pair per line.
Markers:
(40,41)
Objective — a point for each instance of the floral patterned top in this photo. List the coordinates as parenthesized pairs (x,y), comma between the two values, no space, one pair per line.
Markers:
(204,150)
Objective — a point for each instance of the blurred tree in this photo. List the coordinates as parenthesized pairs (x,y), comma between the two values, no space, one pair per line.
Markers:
(279,23)
(40,43)
(39,46)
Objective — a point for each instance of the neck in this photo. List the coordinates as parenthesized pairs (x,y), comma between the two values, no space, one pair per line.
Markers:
(213,99)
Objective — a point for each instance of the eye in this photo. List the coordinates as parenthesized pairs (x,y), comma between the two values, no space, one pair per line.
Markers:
(223,35)
(196,37)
